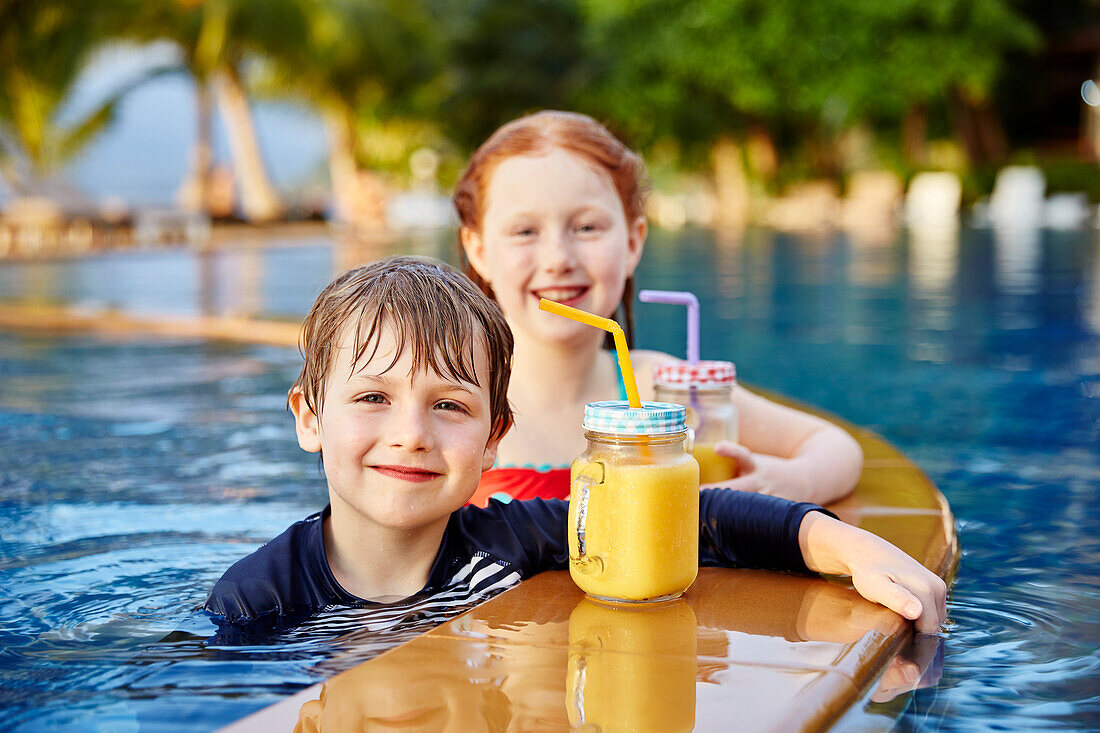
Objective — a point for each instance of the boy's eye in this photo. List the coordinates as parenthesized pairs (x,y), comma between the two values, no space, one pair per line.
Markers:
(451,405)
(523,232)
(372,398)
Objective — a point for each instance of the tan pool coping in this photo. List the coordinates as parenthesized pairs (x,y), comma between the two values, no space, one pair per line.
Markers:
(44,318)
(744,649)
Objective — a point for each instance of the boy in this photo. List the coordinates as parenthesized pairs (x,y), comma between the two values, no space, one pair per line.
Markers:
(403,393)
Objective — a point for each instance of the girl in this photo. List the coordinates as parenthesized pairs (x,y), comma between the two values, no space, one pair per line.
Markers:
(551,206)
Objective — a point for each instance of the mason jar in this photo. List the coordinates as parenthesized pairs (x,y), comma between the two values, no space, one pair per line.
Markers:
(705,389)
(634,504)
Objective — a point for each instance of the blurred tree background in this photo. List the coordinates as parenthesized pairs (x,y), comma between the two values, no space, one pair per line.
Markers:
(748,95)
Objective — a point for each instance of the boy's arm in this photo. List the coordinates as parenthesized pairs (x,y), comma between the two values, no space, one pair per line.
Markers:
(880,571)
(743,529)
(529,535)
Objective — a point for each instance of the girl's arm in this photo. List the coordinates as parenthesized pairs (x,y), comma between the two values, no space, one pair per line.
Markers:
(790,453)
(781,451)
(880,571)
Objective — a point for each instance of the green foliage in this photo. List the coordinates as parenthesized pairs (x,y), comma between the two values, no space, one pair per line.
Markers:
(215,34)
(670,76)
(371,66)
(508,58)
(1065,175)
(357,53)
(708,68)
(44,45)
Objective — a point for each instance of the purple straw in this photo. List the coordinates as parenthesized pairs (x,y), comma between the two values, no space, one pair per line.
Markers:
(676,297)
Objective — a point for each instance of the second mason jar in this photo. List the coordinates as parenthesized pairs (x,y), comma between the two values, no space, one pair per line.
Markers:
(705,388)
(634,504)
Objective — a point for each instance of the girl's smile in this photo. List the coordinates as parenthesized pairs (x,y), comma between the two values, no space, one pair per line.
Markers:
(564,295)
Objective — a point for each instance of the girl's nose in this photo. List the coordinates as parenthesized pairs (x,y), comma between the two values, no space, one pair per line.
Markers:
(410,429)
(558,252)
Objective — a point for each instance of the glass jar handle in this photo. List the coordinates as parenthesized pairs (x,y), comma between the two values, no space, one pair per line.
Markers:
(581,491)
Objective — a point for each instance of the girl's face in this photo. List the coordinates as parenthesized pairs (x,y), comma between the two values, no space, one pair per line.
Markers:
(554,227)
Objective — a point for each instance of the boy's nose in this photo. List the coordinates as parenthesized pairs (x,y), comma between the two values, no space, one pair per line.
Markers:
(410,429)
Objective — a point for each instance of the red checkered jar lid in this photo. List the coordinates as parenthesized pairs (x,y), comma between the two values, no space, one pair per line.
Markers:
(702,374)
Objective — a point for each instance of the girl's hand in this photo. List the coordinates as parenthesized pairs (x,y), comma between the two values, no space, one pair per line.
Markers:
(745,463)
(757,473)
(880,571)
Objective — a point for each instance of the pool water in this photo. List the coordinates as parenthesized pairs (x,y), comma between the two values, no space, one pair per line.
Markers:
(133,472)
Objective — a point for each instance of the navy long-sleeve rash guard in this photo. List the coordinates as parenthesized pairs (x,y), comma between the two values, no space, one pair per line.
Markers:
(485,551)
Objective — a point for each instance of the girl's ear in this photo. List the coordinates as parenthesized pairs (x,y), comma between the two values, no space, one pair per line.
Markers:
(635,243)
(306,424)
(474,247)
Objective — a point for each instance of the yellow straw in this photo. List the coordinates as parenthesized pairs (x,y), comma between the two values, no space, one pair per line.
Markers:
(614,329)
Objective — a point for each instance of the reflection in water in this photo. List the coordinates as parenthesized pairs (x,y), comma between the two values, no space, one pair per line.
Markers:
(933,259)
(1092,307)
(246,279)
(230,282)
(632,669)
(1017,259)
(918,665)
(760,278)
(873,266)
(352,250)
(425,687)
(933,265)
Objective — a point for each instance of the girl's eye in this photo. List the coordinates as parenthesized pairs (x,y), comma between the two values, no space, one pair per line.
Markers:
(588,228)
(523,232)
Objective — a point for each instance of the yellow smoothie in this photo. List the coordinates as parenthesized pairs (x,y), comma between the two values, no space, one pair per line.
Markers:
(632,669)
(713,467)
(641,526)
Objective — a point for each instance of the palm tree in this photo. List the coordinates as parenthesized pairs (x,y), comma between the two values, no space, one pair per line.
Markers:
(216,38)
(357,63)
(44,45)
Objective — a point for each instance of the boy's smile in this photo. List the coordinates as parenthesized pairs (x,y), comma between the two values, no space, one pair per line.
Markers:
(402,448)
(407,473)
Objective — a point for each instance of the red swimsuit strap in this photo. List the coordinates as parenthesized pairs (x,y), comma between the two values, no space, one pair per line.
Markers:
(522,483)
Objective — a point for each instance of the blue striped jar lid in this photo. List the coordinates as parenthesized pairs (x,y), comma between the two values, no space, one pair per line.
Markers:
(619,418)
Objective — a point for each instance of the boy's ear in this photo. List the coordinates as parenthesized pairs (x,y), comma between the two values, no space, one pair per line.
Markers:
(306,424)
(474,247)
(639,228)
(489,457)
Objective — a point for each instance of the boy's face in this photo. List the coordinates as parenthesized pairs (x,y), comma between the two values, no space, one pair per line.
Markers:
(401,449)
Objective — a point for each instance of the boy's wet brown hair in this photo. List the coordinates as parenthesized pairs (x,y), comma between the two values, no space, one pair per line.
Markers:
(432,308)
(540,133)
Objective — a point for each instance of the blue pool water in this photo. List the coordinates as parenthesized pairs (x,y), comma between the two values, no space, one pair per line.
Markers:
(133,472)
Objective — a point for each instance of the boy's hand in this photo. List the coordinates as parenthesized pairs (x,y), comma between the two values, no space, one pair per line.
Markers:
(880,571)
